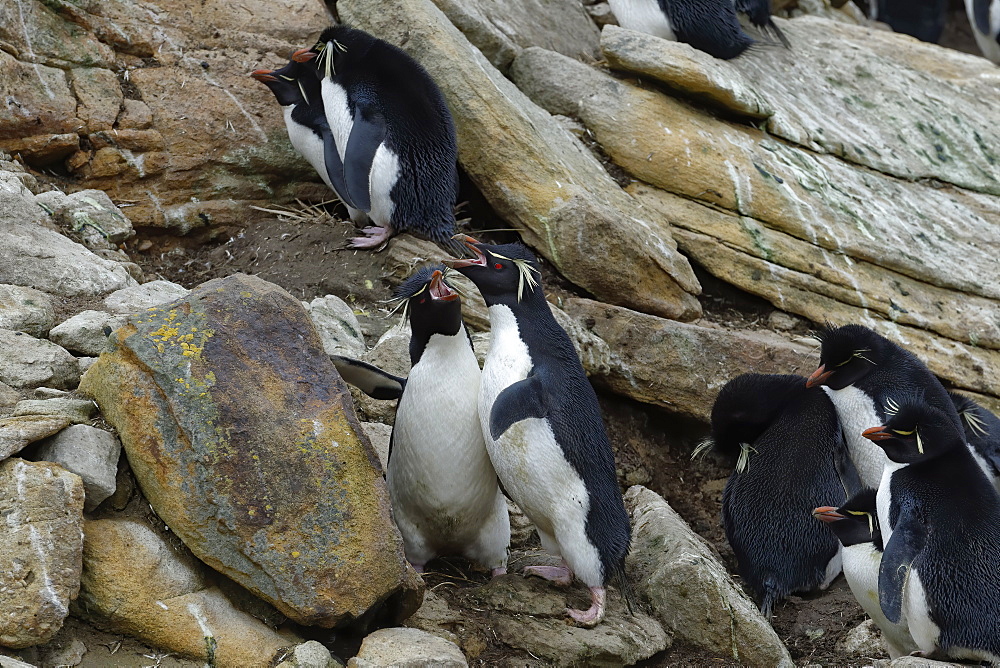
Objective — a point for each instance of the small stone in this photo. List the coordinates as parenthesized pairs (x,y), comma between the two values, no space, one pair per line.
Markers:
(18,432)
(70,654)
(864,640)
(337,326)
(78,411)
(155,293)
(11,662)
(86,332)
(48,393)
(407,648)
(602,15)
(86,363)
(26,310)
(783,322)
(8,395)
(90,453)
(379,434)
(29,362)
(310,654)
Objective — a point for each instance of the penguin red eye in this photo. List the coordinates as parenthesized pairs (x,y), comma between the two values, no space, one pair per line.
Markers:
(423,300)
(498,266)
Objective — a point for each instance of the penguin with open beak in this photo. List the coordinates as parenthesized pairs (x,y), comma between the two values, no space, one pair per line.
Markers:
(543,427)
(940,569)
(393,132)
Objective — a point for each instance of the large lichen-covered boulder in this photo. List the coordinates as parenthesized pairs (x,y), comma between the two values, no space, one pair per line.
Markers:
(245,442)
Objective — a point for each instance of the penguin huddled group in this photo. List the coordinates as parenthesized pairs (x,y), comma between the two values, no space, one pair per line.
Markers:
(909,472)
(528,425)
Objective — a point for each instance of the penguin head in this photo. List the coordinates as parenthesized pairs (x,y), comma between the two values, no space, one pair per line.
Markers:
(746,406)
(287,83)
(432,305)
(854,522)
(336,48)
(848,354)
(505,274)
(915,431)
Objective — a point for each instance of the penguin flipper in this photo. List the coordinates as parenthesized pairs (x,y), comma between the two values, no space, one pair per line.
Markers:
(520,401)
(905,544)
(981,13)
(370,379)
(335,168)
(367,133)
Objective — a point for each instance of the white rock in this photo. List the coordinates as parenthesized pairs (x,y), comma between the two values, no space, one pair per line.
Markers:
(141,297)
(84,332)
(90,453)
(26,310)
(407,648)
(337,325)
(78,411)
(29,362)
(310,655)
(864,640)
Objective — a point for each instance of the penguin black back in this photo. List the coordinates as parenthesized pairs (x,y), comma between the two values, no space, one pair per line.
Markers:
(708,25)
(924,20)
(792,469)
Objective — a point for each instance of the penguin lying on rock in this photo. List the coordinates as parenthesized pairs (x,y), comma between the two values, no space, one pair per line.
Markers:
(940,570)
(789,447)
(442,485)
(856,526)
(393,133)
(543,427)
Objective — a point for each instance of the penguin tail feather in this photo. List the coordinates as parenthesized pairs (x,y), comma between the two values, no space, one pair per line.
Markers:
(772,29)
(626,589)
(767,604)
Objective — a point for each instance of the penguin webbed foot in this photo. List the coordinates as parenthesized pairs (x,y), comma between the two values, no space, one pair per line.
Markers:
(498,571)
(560,575)
(592,616)
(374,237)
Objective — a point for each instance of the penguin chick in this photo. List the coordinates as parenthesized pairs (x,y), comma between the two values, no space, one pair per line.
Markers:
(793,438)
(940,570)
(759,13)
(543,426)
(982,431)
(984,15)
(442,485)
(394,134)
(855,524)
(707,25)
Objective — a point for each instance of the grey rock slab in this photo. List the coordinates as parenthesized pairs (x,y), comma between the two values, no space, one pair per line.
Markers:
(77,411)
(29,362)
(403,647)
(27,310)
(10,662)
(90,453)
(84,333)
(141,297)
(41,550)
(379,434)
(689,591)
(91,215)
(8,395)
(17,203)
(685,69)
(310,654)
(338,327)
(18,432)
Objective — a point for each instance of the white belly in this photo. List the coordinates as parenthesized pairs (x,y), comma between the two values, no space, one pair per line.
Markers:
(925,632)
(643,16)
(530,462)
(338,114)
(857,413)
(307,143)
(443,487)
(381,179)
(861,564)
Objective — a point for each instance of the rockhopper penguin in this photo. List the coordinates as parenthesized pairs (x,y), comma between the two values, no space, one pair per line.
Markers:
(393,132)
(443,488)
(543,426)
(940,571)
(787,442)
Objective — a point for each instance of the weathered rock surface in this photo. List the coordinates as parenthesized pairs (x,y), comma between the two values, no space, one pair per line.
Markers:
(89,214)
(29,362)
(135,583)
(141,297)
(310,654)
(501,30)
(90,453)
(247,446)
(18,432)
(84,333)
(675,365)
(689,590)
(337,326)
(78,411)
(26,310)
(864,640)
(379,435)
(41,548)
(154,106)
(535,174)
(407,648)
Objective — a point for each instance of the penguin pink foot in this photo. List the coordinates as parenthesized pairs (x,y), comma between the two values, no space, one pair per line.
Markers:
(592,617)
(374,237)
(561,575)
(419,568)
(497,572)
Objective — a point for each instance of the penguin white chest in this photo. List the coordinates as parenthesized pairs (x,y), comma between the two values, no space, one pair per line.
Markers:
(883,498)
(643,16)
(856,411)
(861,567)
(924,631)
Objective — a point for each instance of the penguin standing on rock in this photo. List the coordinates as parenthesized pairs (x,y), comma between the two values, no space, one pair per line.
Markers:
(393,133)
(789,447)
(543,427)
(442,485)
(940,570)
(984,15)
(856,526)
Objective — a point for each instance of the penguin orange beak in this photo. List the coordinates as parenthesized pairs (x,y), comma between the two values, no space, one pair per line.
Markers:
(827,514)
(303,55)
(440,290)
(264,75)
(819,376)
(478,259)
(876,434)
